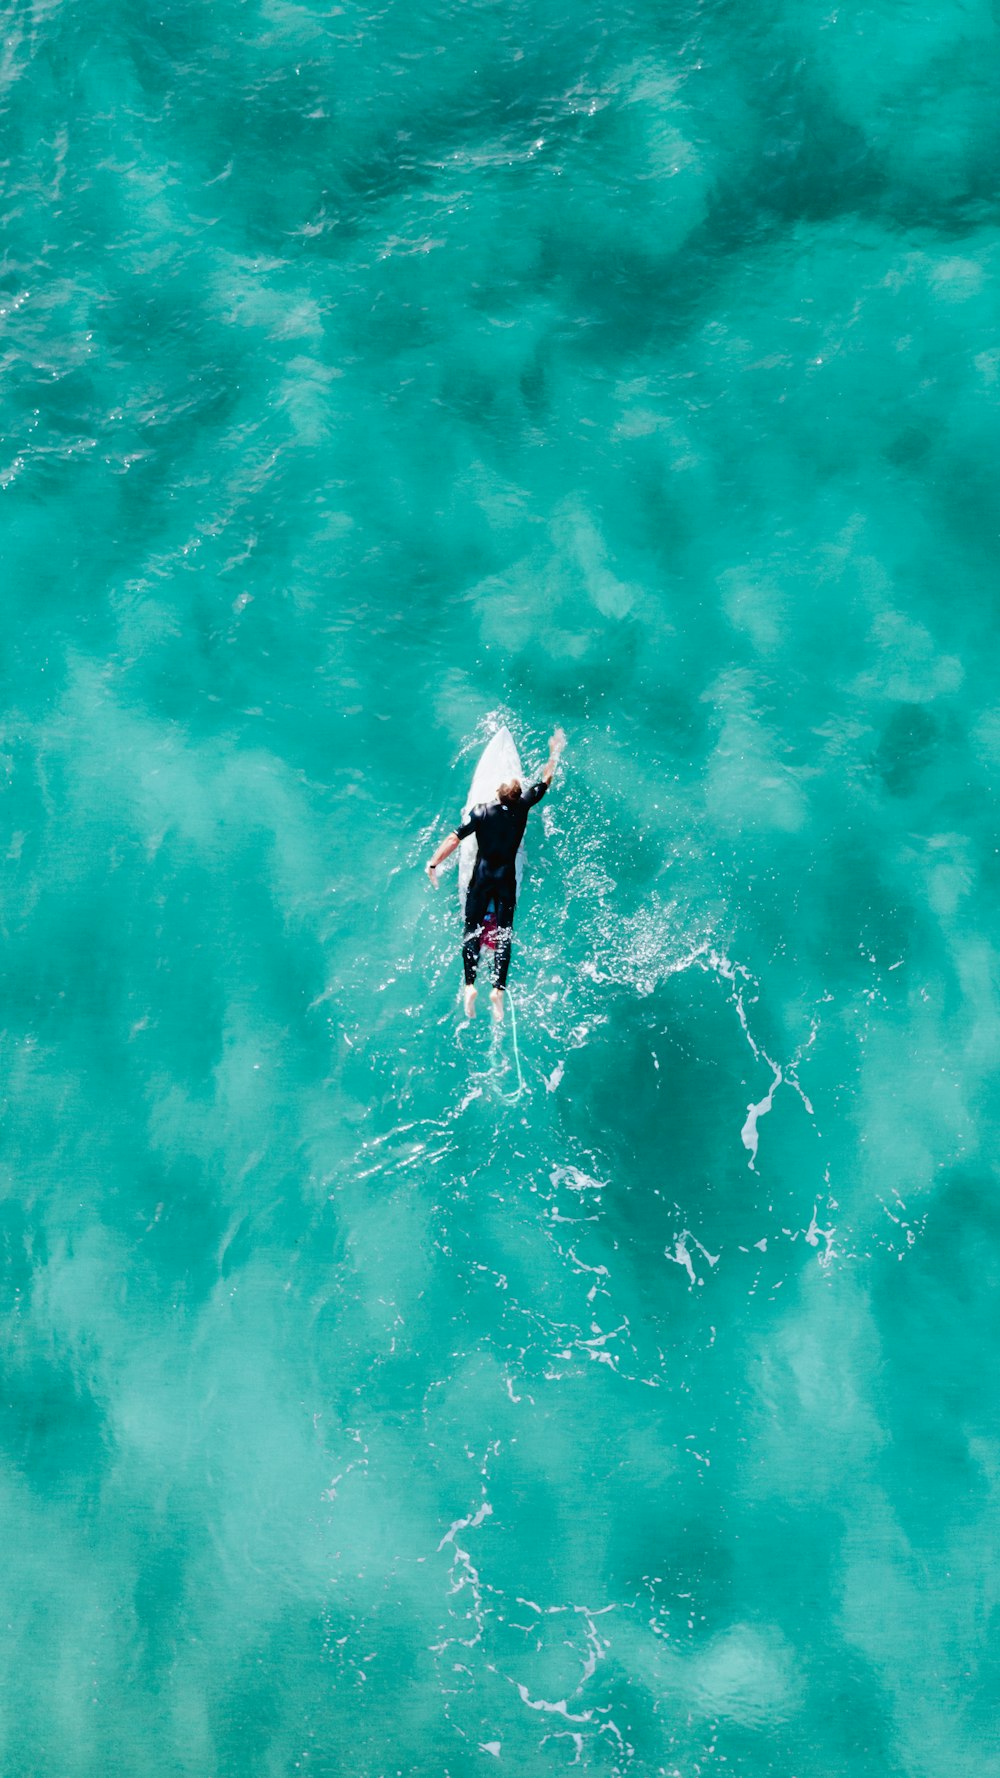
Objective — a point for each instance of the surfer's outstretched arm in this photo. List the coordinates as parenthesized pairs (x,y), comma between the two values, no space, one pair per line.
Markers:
(557,742)
(444,851)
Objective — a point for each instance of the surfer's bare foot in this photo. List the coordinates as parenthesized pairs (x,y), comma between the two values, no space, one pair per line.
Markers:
(496,1001)
(470,1002)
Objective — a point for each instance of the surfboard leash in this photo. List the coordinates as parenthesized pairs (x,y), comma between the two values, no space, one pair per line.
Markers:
(517,1053)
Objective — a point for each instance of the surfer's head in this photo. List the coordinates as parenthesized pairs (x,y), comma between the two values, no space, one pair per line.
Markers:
(509,793)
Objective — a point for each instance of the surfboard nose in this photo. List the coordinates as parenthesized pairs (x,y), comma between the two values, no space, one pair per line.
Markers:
(498,763)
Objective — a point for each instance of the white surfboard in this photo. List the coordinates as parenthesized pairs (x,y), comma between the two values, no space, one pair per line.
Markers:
(498,764)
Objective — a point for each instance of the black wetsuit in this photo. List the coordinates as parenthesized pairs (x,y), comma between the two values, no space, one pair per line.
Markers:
(499,830)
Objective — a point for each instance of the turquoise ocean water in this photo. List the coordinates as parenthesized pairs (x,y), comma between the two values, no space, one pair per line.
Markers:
(373,375)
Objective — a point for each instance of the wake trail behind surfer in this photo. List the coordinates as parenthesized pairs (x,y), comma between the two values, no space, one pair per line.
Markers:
(499,829)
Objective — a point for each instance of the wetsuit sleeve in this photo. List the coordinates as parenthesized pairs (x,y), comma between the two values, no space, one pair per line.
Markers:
(469,826)
(534,793)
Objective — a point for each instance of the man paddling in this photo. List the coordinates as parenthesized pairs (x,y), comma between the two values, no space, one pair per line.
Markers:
(499,829)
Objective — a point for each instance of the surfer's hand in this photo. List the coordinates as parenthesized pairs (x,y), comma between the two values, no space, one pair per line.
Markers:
(557,740)
(432,873)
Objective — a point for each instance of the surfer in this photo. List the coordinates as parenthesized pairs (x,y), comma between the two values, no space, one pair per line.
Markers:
(499,829)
